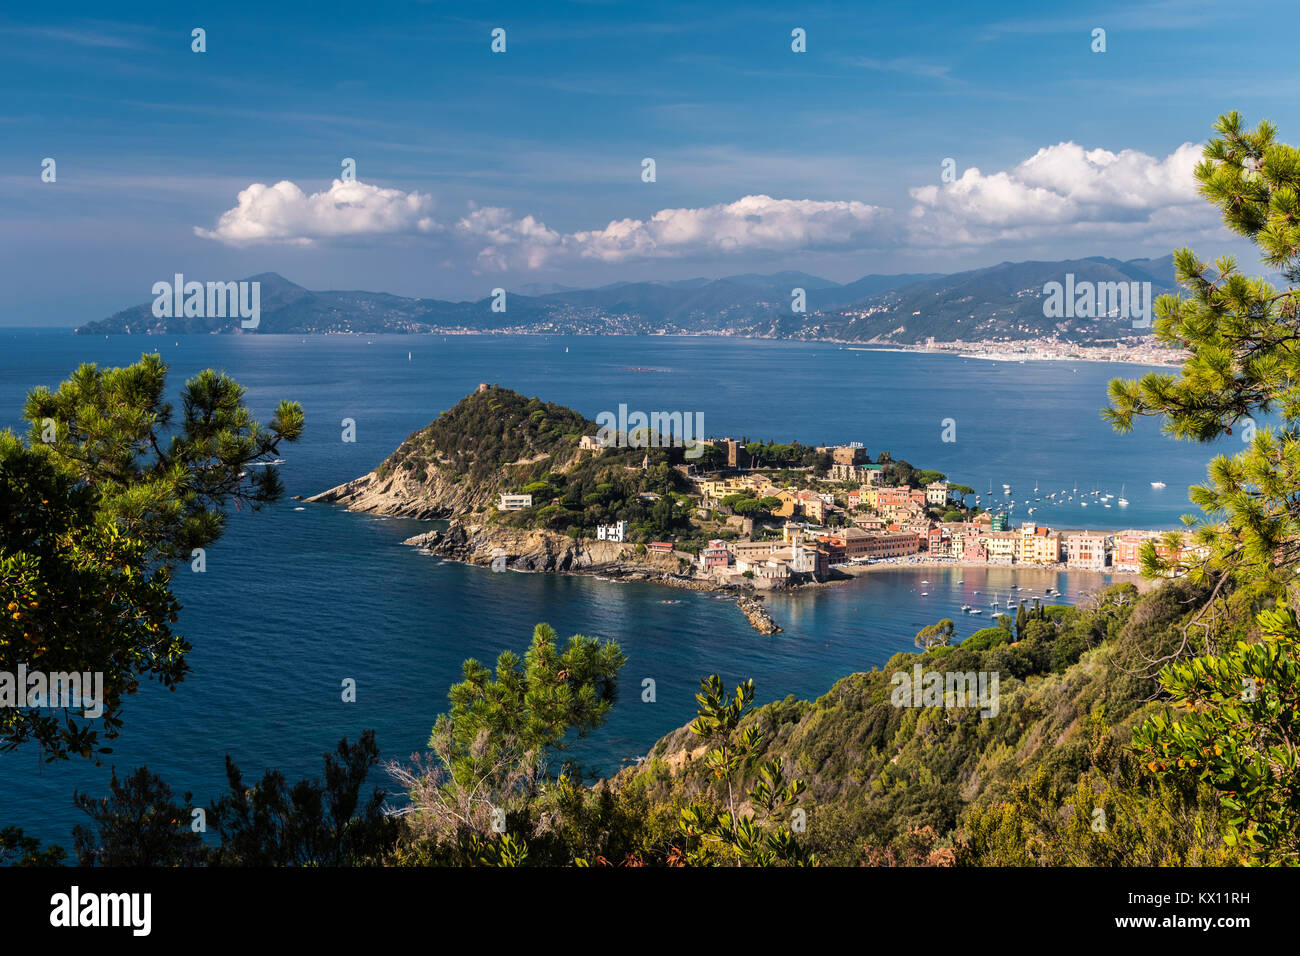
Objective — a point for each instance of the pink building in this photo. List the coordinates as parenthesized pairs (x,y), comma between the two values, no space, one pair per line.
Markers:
(715,555)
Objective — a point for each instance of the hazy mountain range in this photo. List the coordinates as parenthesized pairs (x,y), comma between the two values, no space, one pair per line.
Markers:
(1002,301)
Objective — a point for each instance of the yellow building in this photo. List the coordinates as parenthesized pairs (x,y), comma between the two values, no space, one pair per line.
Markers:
(814,508)
(1038,545)
(789,502)
(712,488)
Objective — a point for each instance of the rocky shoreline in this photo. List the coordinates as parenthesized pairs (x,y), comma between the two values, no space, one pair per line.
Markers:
(548,552)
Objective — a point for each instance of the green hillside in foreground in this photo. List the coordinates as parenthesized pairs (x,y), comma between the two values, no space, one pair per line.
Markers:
(943,786)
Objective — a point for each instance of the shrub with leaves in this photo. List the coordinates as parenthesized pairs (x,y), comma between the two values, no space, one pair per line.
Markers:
(762,837)
(1235,724)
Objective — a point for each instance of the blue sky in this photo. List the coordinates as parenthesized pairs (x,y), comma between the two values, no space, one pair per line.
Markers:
(476,169)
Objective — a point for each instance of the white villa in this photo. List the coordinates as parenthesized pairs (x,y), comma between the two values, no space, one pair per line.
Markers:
(612,532)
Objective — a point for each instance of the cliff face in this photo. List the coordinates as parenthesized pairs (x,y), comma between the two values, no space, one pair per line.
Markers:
(402,494)
(535,550)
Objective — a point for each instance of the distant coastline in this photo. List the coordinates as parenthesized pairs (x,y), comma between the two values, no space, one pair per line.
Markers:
(1145,353)
(1039,350)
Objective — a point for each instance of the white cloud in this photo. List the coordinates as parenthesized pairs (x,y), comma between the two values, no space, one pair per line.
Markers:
(525,241)
(284,213)
(748,225)
(1061,190)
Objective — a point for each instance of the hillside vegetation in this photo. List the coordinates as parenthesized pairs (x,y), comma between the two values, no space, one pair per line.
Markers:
(944,785)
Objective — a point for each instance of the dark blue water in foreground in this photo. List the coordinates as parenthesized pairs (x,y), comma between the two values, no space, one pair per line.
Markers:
(295,601)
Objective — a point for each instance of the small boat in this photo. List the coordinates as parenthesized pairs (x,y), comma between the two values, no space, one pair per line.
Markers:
(925,594)
(1157,484)
(1123,502)
(976,611)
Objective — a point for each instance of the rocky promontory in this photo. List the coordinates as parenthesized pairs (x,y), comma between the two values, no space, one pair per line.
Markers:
(496,441)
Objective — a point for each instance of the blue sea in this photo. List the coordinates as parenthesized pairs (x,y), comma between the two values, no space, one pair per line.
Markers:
(298,598)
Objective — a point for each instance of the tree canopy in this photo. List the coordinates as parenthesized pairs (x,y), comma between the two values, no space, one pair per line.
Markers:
(97,506)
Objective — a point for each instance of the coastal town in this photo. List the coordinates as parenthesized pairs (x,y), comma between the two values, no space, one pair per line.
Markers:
(1138,350)
(771,529)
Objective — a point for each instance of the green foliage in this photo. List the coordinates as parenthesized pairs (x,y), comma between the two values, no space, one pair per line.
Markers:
(494,427)
(161,480)
(1240,335)
(311,823)
(486,776)
(77,596)
(139,824)
(784,455)
(18,849)
(501,725)
(95,509)
(936,635)
(1113,815)
(911,785)
(987,637)
(1234,725)
(761,838)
